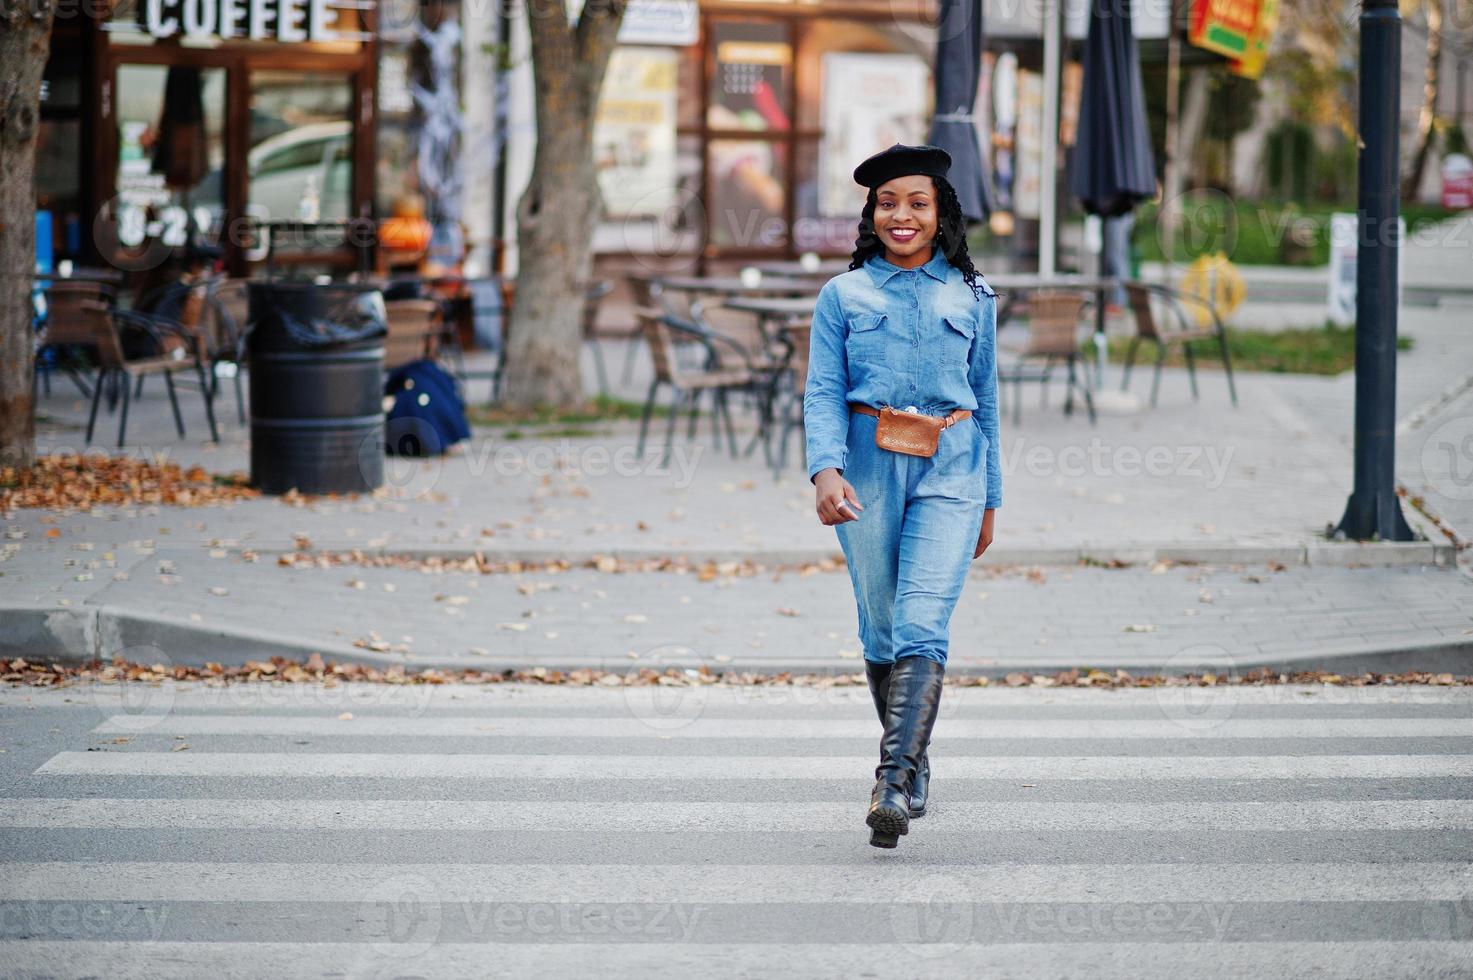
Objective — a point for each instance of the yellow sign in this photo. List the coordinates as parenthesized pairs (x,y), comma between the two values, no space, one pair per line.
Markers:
(1214,281)
(1250,65)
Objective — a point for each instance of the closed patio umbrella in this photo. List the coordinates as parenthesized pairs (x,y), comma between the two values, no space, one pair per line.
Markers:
(1112,168)
(953,128)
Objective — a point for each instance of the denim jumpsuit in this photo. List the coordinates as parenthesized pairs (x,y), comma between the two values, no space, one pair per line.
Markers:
(921,338)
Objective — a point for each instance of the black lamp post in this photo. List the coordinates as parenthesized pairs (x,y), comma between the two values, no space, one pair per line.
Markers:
(1373,510)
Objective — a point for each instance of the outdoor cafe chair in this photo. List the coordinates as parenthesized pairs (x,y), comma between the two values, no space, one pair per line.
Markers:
(227,321)
(788,399)
(765,356)
(414,329)
(594,293)
(182,304)
(671,341)
(173,348)
(65,328)
(1054,317)
(1184,329)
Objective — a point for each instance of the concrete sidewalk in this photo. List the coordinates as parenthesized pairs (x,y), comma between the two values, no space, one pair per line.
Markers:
(182,605)
(1246,491)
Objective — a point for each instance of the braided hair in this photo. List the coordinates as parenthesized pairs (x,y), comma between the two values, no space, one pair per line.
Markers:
(951,232)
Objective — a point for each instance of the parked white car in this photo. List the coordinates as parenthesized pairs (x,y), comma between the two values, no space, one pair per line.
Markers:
(282,166)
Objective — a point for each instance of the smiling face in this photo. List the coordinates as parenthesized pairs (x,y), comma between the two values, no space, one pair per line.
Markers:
(905,218)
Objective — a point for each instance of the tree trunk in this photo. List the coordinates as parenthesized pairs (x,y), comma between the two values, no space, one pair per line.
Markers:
(1425,118)
(557,213)
(25,40)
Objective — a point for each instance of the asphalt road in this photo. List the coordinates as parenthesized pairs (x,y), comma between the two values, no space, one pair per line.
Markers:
(379,831)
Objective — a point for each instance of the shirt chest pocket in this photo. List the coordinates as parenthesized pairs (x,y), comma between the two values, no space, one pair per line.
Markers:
(957,332)
(867,337)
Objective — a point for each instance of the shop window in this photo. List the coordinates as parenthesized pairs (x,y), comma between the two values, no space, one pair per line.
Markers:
(753,71)
(301,135)
(748,181)
(822,37)
(171,153)
(58,170)
(814,231)
(634,132)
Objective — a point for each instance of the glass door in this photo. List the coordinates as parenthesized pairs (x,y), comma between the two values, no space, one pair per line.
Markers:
(171,155)
(299,160)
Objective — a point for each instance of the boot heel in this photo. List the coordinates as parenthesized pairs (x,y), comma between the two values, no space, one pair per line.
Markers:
(879,838)
(887,821)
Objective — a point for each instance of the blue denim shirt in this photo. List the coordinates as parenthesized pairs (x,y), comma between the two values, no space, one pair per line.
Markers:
(884,335)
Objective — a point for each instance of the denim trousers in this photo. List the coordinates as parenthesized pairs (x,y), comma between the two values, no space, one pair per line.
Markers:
(909,551)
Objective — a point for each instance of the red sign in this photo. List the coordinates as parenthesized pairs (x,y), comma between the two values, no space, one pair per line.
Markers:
(1224,26)
(1457,182)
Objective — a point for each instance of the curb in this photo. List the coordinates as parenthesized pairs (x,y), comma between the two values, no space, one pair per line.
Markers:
(1326,554)
(76,635)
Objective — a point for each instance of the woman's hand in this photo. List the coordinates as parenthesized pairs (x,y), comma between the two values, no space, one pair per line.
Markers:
(831,489)
(985,538)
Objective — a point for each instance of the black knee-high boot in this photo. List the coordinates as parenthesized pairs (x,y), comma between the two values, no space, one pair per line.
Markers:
(878,675)
(911,705)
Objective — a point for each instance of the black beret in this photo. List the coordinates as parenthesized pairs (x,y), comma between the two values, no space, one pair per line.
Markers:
(900,160)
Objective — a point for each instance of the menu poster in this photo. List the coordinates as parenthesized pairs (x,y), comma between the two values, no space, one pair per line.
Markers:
(1028,186)
(751,85)
(870,101)
(634,132)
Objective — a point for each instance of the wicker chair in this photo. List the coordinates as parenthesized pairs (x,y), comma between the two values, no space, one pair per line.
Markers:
(1053,334)
(788,402)
(414,331)
(1145,299)
(65,327)
(226,323)
(669,338)
(594,335)
(175,349)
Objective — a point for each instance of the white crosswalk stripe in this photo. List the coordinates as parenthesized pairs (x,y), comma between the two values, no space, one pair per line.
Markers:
(514,832)
(957,818)
(408,765)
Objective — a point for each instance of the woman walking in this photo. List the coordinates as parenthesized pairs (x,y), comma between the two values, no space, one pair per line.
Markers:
(900,413)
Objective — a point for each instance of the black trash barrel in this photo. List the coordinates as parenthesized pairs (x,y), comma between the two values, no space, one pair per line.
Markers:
(317,364)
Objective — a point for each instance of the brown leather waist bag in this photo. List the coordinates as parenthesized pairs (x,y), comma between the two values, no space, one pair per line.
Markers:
(912,433)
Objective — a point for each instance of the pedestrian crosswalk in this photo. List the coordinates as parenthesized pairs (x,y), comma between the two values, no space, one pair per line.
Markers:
(278,830)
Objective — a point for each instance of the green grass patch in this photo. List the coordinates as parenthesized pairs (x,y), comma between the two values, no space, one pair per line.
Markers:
(1326,350)
(1257,232)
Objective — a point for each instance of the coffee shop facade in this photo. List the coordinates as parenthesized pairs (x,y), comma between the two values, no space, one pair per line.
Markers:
(171,123)
(726,129)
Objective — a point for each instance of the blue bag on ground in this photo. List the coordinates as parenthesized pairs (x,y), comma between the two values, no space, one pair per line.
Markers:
(428,413)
